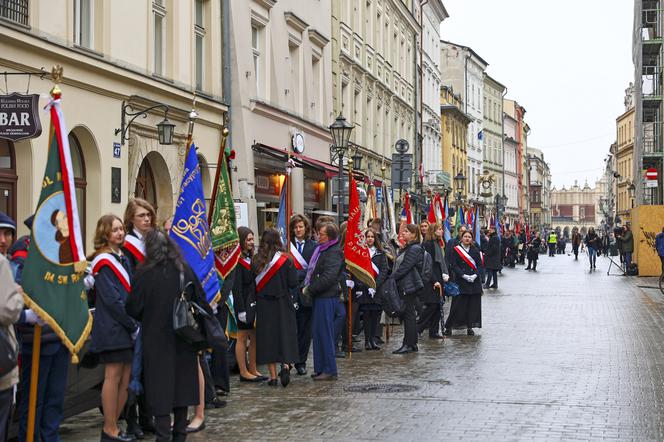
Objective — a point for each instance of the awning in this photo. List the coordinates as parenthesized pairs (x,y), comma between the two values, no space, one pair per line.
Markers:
(299,159)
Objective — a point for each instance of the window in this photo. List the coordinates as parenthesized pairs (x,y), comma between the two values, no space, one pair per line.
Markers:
(294,58)
(159,13)
(316,103)
(15,11)
(256,54)
(199,35)
(80,183)
(84,17)
(7,178)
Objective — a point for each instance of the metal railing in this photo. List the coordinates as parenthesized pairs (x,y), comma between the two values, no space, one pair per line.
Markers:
(653,140)
(15,11)
(651,81)
(651,24)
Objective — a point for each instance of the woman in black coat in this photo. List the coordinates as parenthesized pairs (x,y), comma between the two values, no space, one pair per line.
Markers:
(276,328)
(466,309)
(492,259)
(368,298)
(533,251)
(170,365)
(406,273)
(431,294)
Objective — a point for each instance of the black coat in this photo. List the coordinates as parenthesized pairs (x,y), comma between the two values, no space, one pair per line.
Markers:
(533,248)
(407,269)
(112,327)
(429,294)
(244,294)
(361,290)
(492,257)
(170,366)
(460,267)
(329,275)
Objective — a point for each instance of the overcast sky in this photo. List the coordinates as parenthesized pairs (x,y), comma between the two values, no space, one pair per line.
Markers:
(567,62)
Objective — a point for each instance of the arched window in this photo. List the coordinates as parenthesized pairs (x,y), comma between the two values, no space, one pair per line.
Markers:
(80,183)
(145,184)
(7,178)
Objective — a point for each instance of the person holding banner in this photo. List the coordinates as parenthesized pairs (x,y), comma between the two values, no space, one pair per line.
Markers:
(113,330)
(301,249)
(406,273)
(466,309)
(244,302)
(276,329)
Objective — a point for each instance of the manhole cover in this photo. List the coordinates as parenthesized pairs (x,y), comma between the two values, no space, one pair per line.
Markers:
(381,388)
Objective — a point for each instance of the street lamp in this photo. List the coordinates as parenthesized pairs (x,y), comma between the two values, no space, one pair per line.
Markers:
(460,185)
(340,131)
(165,128)
(357,161)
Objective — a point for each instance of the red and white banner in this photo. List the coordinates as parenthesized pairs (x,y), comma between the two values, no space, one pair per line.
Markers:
(270,270)
(466,257)
(356,252)
(298,259)
(106,259)
(136,247)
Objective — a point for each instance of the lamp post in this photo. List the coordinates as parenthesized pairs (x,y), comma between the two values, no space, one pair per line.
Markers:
(340,131)
(460,187)
(165,128)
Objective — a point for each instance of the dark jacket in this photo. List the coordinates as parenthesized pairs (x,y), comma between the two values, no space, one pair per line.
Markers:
(329,276)
(533,248)
(429,294)
(460,267)
(281,283)
(170,366)
(492,258)
(451,244)
(407,269)
(361,290)
(628,242)
(244,289)
(592,240)
(112,326)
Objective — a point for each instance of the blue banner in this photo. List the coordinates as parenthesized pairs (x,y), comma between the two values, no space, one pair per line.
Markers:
(282,217)
(190,229)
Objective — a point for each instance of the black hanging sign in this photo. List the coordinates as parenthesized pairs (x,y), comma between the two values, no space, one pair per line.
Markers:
(19,116)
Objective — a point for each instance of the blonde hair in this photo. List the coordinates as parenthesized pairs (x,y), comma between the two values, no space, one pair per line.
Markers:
(103,231)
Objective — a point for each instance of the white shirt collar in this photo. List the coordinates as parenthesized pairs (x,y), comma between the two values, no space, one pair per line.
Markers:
(138,234)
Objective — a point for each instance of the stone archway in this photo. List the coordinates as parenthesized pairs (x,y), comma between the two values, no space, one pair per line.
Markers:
(153,183)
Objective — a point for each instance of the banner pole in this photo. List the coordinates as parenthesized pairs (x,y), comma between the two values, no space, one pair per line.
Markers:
(350,323)
(34,382)
(217,174)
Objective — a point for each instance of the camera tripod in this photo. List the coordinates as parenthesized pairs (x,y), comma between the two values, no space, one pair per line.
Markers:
(620,265)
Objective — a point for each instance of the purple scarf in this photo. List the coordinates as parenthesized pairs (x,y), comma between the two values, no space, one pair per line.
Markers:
(314,259)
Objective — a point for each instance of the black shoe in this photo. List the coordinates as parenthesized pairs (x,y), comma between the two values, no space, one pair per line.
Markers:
(493,286)
(284,376)
(255,379)
(301,371)
(190,430)
(374,346)
(414,348)
(340,354)
(436,337)
(272,383)
(470,332)
(486,286)
(447,332)
(216,403)
(122,437)
(367,346)
(135,430)
(403,350)
(313,375)
(527,268)
(378,340)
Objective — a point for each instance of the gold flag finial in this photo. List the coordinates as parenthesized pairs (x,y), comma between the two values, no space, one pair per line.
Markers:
(56,75)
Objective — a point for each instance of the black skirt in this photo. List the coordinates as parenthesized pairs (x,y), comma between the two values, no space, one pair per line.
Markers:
(465,312)
(276,331)
(123,356)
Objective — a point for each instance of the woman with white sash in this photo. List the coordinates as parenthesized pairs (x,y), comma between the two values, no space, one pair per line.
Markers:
(466,309)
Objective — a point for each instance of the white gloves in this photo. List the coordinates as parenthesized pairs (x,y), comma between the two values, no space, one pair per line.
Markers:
(372,292)
(242,317)
(89,281)
(32,318)
(135,334)
(470,278)
(350,283)
(446,277)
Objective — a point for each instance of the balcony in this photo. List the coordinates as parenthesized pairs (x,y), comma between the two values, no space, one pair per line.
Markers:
(15,11)
(653,139)
(651,26)
(651,85)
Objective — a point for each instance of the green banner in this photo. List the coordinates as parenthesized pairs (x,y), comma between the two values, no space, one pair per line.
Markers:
(223,229)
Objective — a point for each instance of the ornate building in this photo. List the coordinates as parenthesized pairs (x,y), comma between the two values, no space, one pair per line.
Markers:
(493,134)
(454,127)
(577,207)
(624,158)
(539,189)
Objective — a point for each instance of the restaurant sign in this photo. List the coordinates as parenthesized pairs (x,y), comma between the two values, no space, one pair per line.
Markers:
(19,116)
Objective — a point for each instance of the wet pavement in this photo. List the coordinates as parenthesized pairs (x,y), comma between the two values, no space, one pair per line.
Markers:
(564,354)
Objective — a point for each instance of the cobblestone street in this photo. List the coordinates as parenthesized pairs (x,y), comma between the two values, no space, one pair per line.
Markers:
(564,354)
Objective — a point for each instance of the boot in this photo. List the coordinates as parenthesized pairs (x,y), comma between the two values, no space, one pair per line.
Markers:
(374,345)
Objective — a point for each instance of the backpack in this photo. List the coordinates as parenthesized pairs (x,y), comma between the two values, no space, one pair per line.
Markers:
(427,266)
(632,270)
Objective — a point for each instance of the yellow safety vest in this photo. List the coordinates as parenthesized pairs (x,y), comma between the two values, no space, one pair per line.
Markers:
(553,238)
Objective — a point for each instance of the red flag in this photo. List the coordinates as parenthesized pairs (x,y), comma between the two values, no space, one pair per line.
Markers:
(469,217)
(518,228)
(358,258)
(431,217)
(527,232)
(406,208)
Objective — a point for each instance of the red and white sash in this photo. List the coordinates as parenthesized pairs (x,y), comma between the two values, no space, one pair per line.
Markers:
(466,257)
(374,267)
(482,256)
(298,259)
(245,262)
(106,259)
(270,270)
(136,247)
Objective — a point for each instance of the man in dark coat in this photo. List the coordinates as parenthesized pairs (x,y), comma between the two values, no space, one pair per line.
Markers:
(323,283)
(492,259)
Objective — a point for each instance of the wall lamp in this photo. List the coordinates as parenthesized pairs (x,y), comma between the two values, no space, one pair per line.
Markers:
(165,129)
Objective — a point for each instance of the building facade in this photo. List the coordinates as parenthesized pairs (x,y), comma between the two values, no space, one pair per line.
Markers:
(577,207)
(510,161)
(492,106)
(463,69)
(516,114)
(433,14)
(282,104)
(454,128)
(624,159)
(176,55)
(539,190)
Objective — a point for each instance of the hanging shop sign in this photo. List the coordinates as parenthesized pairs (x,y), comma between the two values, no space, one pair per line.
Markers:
(19,116)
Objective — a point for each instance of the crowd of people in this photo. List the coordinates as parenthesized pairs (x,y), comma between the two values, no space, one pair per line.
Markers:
(287,300)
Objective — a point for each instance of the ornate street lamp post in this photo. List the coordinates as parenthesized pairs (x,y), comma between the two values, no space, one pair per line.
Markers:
(340,131)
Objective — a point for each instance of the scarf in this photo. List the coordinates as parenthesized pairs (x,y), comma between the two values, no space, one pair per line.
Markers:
(314,259)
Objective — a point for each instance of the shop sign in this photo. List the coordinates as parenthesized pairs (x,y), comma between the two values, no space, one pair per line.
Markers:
(241,215)
(379,195)
(19,116)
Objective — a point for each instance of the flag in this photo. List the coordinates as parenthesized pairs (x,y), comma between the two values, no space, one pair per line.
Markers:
(370,206)
(388,227)
(497,227)
(283,216)
(527,233)
(446,223)
(470,218)
(438,208)
(406,213)
(54,267)
(431,216)
(458,219)
(478,238)
(356,252)
(480,135)
(190,229)
(223,228)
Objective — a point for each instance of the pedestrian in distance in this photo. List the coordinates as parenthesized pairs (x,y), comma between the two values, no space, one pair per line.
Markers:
(170,364)
(593,244)
(244,302)
(627,246)
(276,328)
(302,249)
(406,273)
(576,242)
(113,330)
(533,251)
(432,292)
(324,283)
(492,260)
(466,308)
(552,241)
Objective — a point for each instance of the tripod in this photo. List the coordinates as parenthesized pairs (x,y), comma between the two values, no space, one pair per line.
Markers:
(620,265)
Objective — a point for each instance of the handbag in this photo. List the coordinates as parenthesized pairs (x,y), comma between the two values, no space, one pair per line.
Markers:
(392,302)
(452,289)
(185,325)
(8,352)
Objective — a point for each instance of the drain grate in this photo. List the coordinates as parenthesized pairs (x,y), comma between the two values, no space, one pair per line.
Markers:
(380,388)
